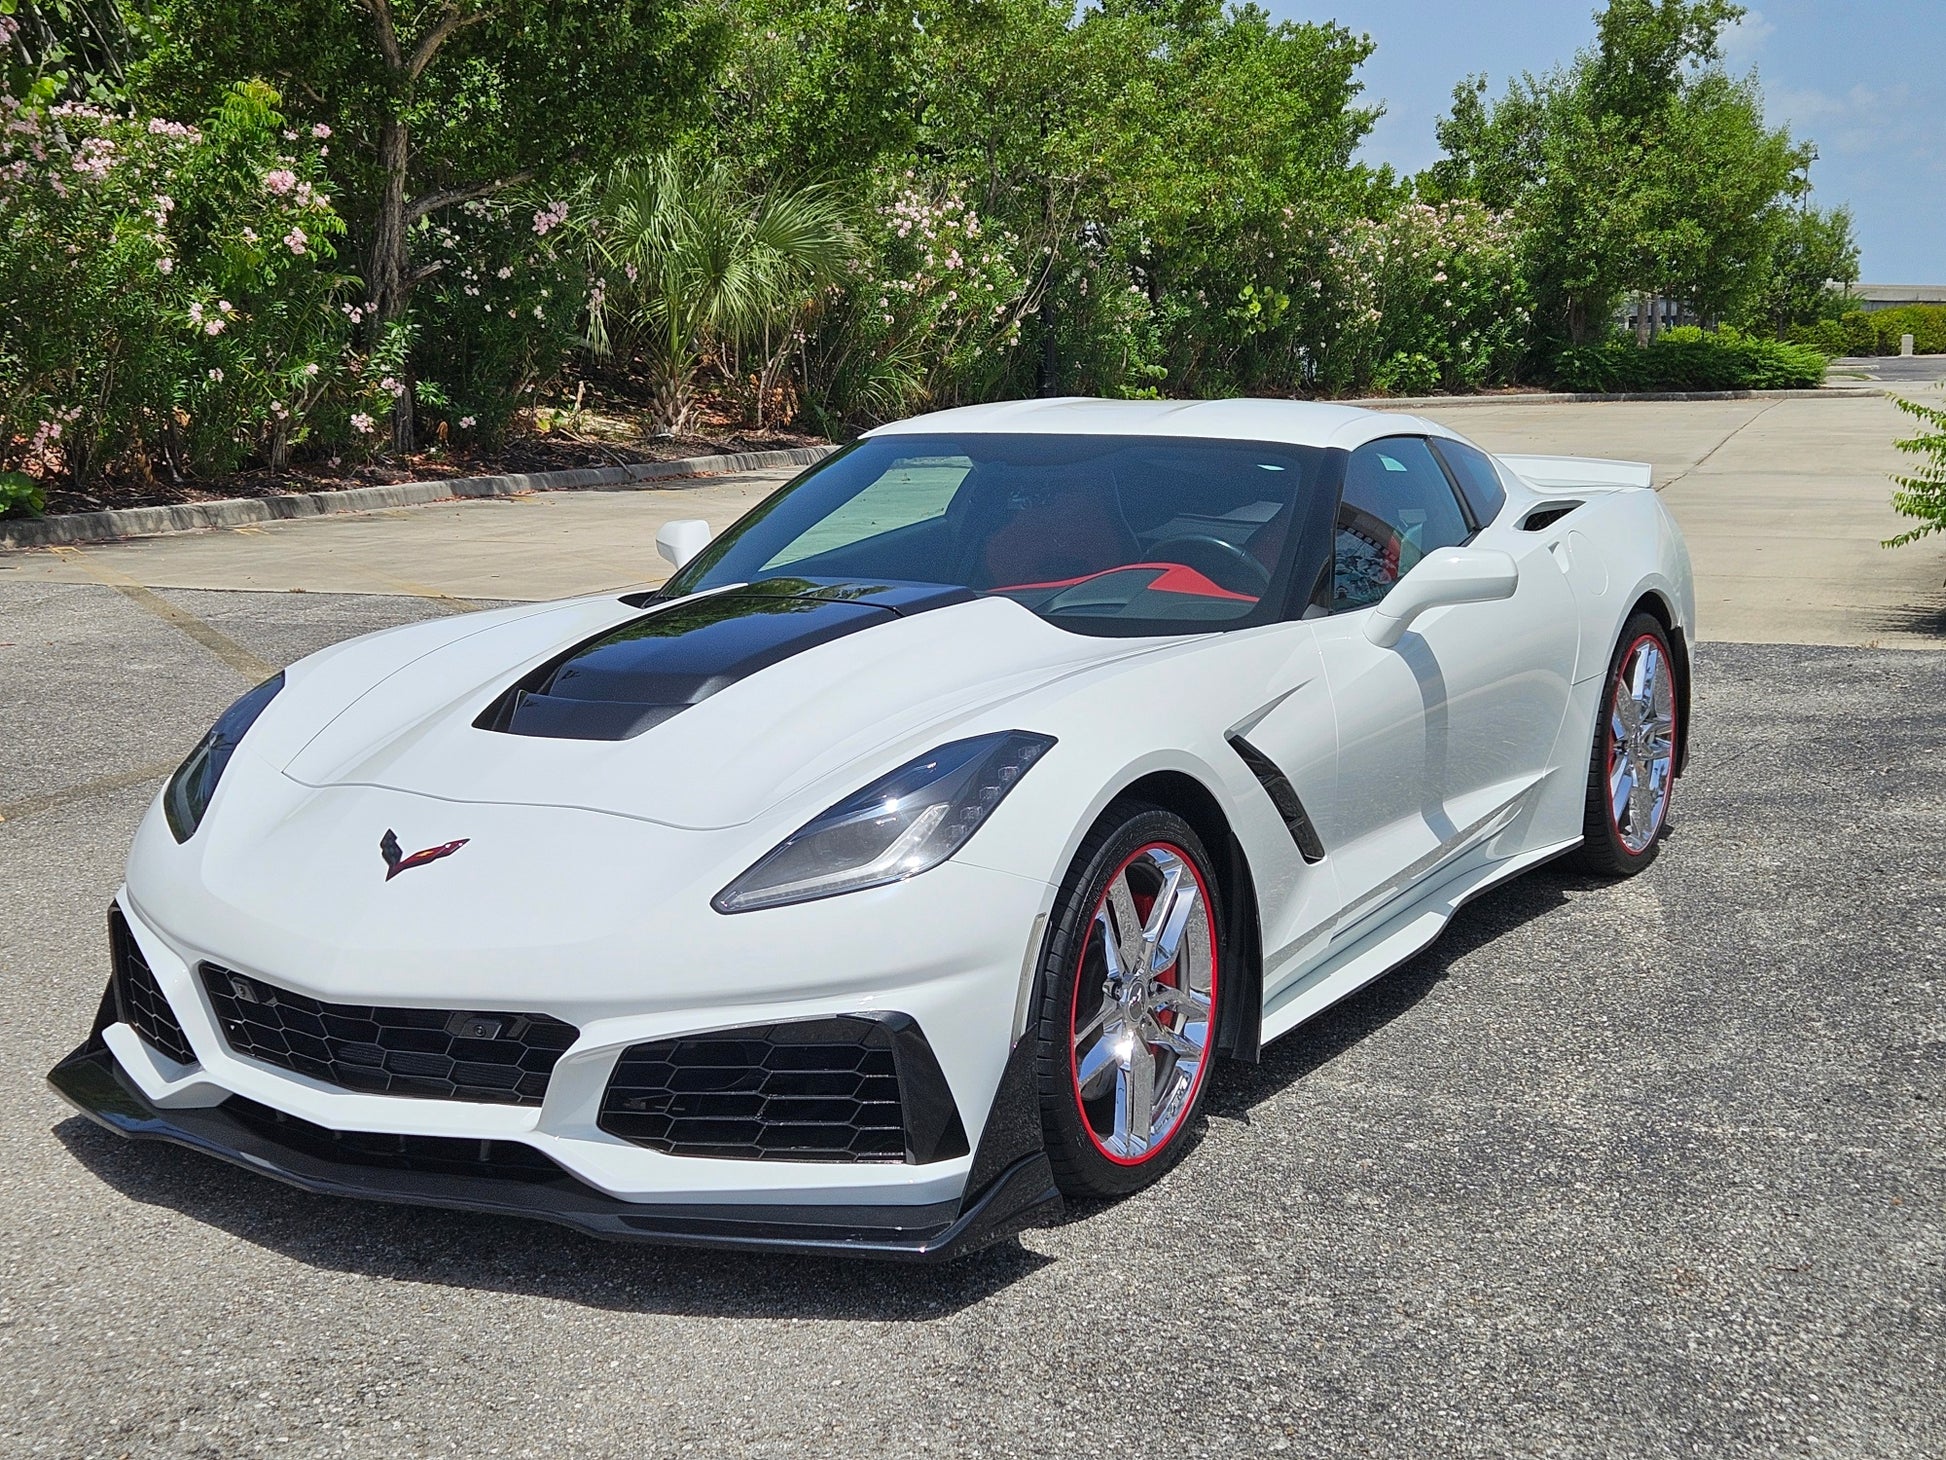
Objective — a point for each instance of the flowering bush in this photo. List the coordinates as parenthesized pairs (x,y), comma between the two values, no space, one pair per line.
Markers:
(1430,297)
(167,289)
(498,315)
(930,311)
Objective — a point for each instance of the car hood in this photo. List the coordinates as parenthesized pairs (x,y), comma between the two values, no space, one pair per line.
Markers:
(703,712)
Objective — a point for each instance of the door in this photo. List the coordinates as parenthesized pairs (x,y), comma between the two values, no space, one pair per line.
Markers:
(1446,731)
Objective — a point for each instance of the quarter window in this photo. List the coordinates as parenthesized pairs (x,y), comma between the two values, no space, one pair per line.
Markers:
(1397,507)
(1478,478)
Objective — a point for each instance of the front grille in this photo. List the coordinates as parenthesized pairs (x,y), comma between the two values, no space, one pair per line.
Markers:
(435,1054)
(840,1089)
(442,1155)
(139,1002)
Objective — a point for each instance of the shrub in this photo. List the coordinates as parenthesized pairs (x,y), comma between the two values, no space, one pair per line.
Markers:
(499,315)
(167,291)
(18,491)
(1879,332)
(1689,359)
(1923,495)
(925,318)
(1429,297)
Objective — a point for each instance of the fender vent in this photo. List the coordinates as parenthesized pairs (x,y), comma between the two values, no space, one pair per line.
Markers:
(1546,515)
(1283,795)
(852,1088)
(139,1001)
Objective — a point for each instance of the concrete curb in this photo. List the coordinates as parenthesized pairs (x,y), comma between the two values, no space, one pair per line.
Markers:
(1566,398)
(85,527)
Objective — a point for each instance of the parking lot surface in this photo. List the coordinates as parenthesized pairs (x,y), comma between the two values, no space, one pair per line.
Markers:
(1650,1169)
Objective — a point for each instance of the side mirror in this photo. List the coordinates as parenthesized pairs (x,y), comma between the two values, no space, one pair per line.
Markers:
(681,540)
(1442,577)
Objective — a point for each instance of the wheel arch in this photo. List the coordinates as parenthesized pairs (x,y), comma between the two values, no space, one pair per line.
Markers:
(1239,1031)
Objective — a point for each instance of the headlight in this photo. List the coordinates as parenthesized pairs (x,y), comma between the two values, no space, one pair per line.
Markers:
(897,827)
(187,796)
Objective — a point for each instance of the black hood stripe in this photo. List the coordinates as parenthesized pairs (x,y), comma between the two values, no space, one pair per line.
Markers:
(631,678)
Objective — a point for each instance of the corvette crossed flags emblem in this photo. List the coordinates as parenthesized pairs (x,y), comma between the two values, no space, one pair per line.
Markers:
(396,861)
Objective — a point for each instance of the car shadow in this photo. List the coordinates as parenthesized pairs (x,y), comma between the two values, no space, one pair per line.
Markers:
(1239,1088)
(534,1259)
(530,1258)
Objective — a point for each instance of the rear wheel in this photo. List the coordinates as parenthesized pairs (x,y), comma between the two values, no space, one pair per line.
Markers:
(1632,768)
(1127,1015)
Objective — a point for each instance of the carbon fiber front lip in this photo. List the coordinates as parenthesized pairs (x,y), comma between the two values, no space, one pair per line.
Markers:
(1022,1195)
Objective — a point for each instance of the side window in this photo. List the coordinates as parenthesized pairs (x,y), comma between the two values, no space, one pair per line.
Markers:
(912,490)
(1397,507)
(1478,478)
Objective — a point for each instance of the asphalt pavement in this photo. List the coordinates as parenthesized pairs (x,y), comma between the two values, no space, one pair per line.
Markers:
(1891,369)
(1650,1169)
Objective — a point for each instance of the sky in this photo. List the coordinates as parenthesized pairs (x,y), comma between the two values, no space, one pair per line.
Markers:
(1863,79)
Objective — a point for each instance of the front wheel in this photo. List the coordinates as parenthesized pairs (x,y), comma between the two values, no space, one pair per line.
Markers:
(1632,769)
(1129,985)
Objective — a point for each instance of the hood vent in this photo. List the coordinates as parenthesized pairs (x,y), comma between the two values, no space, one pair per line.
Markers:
(634,677)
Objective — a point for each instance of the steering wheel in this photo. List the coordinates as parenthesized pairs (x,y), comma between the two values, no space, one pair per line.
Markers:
(1223,563)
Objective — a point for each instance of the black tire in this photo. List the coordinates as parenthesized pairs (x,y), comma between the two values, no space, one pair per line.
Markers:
(1073,971)
(1608,849)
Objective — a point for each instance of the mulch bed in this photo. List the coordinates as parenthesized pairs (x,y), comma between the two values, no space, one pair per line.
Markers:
(523,454)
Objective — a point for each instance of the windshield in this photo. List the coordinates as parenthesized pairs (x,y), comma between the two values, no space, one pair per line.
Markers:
(1109,533)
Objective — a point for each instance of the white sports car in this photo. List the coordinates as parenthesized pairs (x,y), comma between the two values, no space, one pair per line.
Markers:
(914,856)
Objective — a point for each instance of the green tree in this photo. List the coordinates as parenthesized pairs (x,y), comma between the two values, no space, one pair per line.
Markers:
(1813,264)
(1640,168)
(696,262)
(1234,179)
(433,103)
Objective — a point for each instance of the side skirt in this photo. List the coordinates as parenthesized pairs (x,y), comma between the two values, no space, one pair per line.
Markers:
(1410,929)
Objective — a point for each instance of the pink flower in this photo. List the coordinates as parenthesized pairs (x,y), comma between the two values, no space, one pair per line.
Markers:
(195,314)
(165,266)
(466,423)
(217,376)
(280,181)
(311,370)
(213,327)
(361,423)
(320,131)
(295,240)
(392,385)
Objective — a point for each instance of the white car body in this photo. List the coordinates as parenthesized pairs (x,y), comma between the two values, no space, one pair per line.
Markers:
(1433,768)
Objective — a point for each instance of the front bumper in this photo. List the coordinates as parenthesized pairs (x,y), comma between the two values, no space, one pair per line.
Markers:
(1010,1188)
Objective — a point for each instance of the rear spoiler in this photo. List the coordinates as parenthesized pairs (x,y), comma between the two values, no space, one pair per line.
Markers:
(1579,473)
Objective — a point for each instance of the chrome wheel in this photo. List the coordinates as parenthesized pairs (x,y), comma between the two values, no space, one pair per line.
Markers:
(1144,998)
(1641,743)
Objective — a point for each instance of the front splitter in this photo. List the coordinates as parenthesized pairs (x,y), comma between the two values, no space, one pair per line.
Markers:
(1020,1196)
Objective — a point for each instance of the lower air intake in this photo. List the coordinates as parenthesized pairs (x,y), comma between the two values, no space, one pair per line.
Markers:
(851,1088)
(139,1001)
(435,1054)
